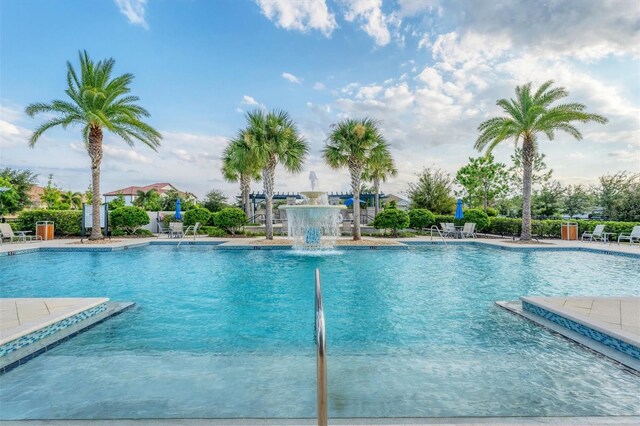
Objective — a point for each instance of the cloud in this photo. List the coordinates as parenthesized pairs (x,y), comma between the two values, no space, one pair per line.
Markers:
(374,21)
(290,77)
(134,10)
(300,15)
(249,100)
(318,86)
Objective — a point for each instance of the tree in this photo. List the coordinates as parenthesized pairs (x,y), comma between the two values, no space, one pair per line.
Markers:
(392,218)
(149,200)
(484,181)
(576,200)
(171,197)
(215,200)
(240,164)
(72,199)
(276,140)
(547,202)
(612,192)
(9,197)
(21,181)
(97,102)
(433,192)
(540,174)
(88,195)
(355,144)
(378,170)
(117,202)
(51,195)
(528,116)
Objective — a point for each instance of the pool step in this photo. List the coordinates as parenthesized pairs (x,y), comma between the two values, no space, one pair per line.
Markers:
(608,325)
(31,326)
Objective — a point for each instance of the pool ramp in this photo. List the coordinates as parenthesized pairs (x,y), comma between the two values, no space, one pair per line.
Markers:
(608,325)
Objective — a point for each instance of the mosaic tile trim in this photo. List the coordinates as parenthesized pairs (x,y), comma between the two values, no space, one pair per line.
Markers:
(30,338)
(185,242)
(617,344)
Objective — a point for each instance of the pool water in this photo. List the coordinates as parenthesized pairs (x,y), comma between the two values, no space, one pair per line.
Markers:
(230,334)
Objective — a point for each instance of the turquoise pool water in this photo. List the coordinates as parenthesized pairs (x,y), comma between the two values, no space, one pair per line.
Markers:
(230,334)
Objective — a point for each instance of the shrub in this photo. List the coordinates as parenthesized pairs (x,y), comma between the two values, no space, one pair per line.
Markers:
(477,216)
(213,231)
(65,222)
(128,219)
(197,214)
(230,219)
(421,218)
(168,219)
(393,219)
(491,212)
(551,228)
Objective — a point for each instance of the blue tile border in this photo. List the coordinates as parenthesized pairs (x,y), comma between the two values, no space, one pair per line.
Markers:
(35,336)
(617,344)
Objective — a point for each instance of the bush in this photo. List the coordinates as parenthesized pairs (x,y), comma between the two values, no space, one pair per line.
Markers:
(393,219)
(477,216)
(230,219)
(551,228)
(128,219)
(197,214)
(213,231)
(168,219)
(491,212)
(421,218)
(65,222)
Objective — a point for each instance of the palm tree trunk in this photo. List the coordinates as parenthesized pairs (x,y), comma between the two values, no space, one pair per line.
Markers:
(268,176)
(245,182)
(95,153)
(376,207)
(356,178)
(528,152)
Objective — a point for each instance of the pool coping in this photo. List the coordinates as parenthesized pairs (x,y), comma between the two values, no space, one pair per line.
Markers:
(516,307)
(26,353)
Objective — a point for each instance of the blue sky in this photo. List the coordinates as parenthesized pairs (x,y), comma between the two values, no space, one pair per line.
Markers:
(429,70)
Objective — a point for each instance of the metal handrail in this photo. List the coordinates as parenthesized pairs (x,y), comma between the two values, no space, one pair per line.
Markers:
(321,355)
(439,233)
(193,229)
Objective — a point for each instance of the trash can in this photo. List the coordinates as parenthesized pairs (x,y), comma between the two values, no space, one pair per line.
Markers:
(569,231)
(44,230)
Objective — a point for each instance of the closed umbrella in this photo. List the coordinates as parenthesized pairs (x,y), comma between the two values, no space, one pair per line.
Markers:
(178,212)
(459,214)
(349,202)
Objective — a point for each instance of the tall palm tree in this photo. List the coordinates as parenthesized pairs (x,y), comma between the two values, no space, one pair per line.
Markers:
(96,102)
(378,170)
(354,144)
(73,199)
(240,164)
(276,140)
(527,116)
(143,198)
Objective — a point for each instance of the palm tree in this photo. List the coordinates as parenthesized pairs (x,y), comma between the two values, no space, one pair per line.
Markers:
(355,144)
(378,170)
(144,198)
(97,102)
(527,116)
(276,140)
(239,164)
(73,199)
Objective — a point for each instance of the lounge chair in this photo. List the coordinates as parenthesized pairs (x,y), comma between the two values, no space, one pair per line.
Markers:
(634,235)
(162,229)
(20,236)
(175,229)
(448,229)
(193,229)
(597,234)
(469,230)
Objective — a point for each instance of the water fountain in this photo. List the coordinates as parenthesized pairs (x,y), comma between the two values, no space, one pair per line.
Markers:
(315,223)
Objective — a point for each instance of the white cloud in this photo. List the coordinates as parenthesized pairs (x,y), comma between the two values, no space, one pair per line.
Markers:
(134,10)
(290,77)
(249,100)
(301,15)
(319,86)
(369,12)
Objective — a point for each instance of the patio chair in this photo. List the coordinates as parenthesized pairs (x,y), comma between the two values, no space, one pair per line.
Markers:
(448,229)
(175,229)
(20,236)
(469,230)
(597,234)
(162,229)
(193,229)
(634,235)
(346,228)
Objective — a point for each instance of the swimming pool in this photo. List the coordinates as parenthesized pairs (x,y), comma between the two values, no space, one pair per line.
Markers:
(230,334)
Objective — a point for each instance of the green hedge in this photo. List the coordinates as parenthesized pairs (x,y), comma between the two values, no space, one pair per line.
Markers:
(127,219)
(66,222)
(197,214)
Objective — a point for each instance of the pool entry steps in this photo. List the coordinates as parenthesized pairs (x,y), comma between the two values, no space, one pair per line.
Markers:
(608,325)
(31,326)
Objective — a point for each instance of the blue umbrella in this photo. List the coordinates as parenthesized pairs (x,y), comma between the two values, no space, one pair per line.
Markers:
(459,214)
(178,213)
(349,202)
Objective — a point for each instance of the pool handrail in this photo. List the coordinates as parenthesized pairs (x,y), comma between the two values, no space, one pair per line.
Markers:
(434,227)
(321,354)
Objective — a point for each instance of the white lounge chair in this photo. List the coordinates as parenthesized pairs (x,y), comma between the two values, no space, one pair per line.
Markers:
(597,234)
(20,236)
(634,235)
(469,230)
(193,229)
(175,229)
